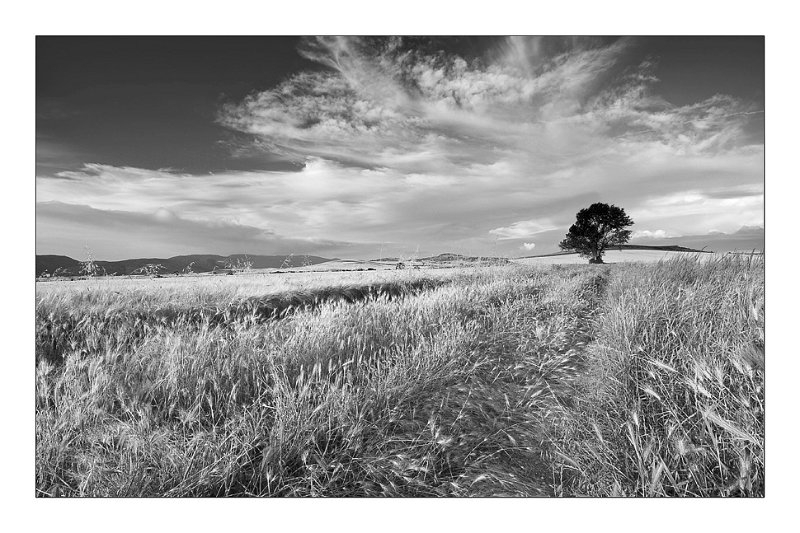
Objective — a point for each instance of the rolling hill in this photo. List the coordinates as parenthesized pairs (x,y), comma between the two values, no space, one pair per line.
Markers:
(200,263)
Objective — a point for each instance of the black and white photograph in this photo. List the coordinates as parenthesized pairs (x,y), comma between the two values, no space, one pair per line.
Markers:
(400,266)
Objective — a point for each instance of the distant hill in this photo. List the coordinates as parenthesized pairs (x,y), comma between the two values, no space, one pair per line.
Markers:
(448,257)
(444,258)
(202,263)
(50,263)
(670,248)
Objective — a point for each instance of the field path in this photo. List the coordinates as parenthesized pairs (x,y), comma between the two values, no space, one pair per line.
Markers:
(538,361)
(550,381)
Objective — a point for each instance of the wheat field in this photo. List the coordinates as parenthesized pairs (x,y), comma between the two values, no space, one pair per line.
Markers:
(515,380)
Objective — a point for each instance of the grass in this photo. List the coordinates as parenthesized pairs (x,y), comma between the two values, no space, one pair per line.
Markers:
(672,401)
(494,381)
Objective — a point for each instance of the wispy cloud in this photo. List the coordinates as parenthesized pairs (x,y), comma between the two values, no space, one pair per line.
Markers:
(522,229)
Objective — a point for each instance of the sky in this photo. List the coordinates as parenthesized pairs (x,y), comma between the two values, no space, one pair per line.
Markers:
(364,147)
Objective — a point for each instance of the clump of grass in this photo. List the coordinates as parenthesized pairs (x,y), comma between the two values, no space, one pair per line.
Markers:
(672,403)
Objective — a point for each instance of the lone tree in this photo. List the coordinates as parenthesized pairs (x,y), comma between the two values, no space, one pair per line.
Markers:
(597,227)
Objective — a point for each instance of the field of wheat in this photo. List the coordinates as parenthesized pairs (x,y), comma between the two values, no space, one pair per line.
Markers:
(515,380)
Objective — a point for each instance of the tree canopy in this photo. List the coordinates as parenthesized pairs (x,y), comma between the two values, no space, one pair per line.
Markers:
(597,227)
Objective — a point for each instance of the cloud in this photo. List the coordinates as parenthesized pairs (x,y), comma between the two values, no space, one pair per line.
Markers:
(745,238)
(408,146)
(540,121)
(113,234)
(647,234)
(750,230)
(692,209)
(522,229)
(380,102)
(379,99)
(528,246)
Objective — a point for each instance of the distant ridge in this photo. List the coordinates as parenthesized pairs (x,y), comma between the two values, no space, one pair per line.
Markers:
(670,248)
(448,257)
(445,258)
(202,263)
